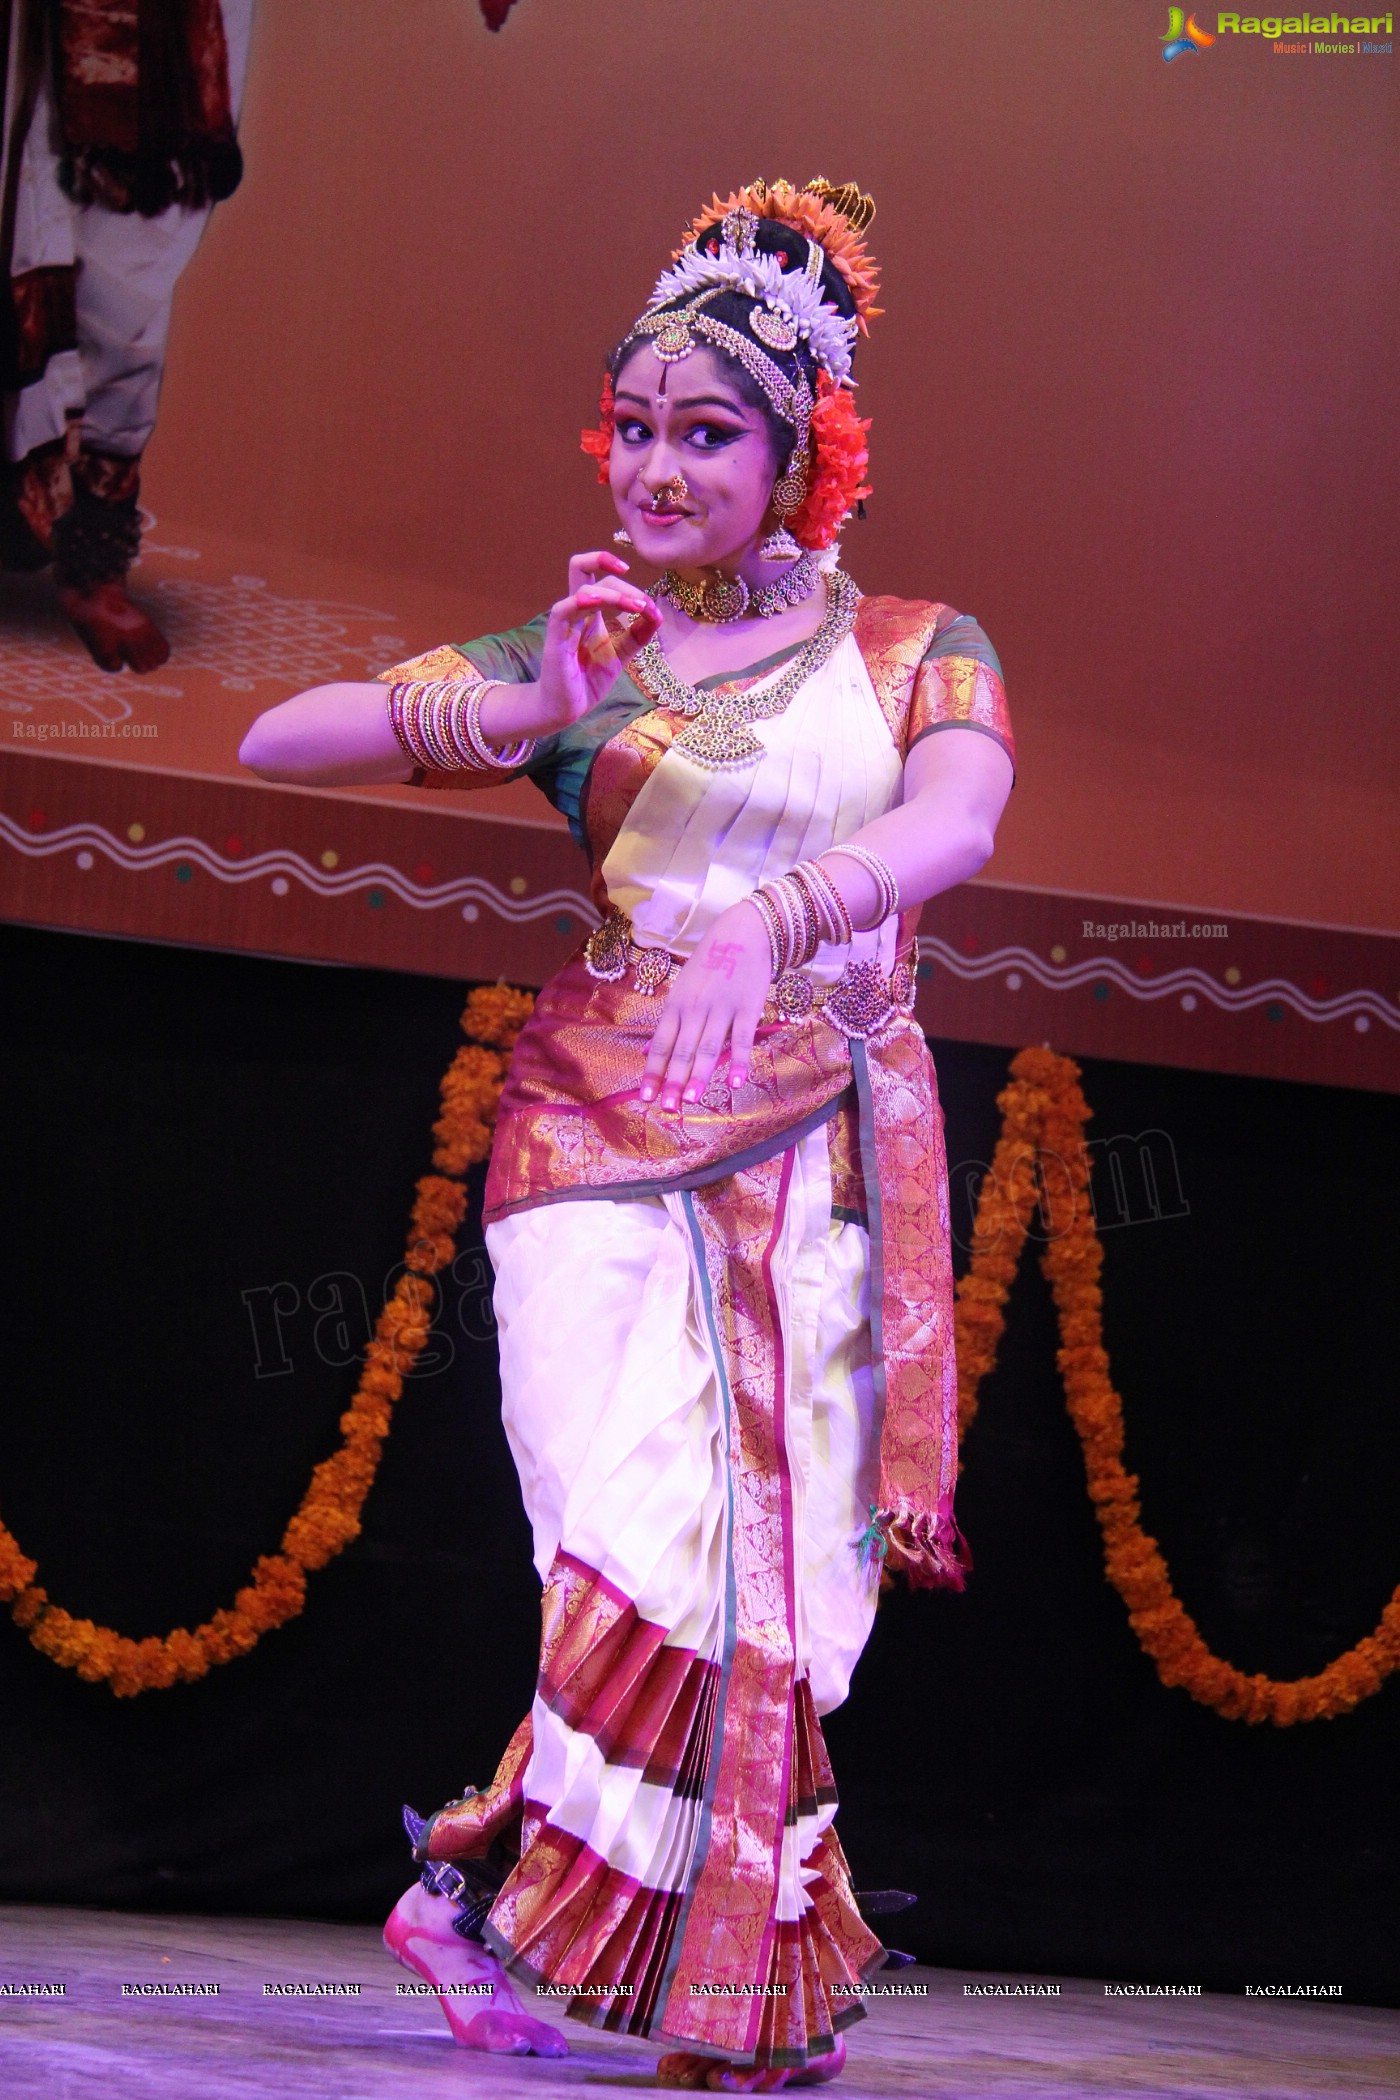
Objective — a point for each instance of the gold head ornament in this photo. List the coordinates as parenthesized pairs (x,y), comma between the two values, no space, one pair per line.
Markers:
(835,215)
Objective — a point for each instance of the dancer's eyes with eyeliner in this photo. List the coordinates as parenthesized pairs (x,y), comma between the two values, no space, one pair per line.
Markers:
(721,434)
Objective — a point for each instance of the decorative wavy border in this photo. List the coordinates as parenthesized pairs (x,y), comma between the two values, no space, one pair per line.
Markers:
(476,889)
(340,882)
(1231,998)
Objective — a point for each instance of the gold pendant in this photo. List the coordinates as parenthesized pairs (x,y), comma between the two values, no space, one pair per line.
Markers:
(716,738)
(725,598)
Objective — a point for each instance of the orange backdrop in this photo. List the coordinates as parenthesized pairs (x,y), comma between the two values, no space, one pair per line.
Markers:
(1133,395)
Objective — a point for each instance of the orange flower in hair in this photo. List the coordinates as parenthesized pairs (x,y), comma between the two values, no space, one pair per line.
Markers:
(598,443)
(842,455)
(836,217)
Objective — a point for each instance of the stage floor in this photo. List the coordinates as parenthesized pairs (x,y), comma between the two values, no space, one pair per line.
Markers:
(946,2045)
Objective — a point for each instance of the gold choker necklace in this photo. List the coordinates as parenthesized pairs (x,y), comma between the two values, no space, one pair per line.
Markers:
(723,598)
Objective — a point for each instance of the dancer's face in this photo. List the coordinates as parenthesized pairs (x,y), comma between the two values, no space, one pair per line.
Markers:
(688,419)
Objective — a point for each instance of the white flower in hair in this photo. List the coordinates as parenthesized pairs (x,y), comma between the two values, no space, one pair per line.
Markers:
(792,309)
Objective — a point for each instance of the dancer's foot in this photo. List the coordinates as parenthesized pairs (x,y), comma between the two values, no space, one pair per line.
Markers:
(419,1934)
(710,2073)
(111,628)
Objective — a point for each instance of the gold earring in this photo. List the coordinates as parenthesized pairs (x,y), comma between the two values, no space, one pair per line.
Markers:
(779,545)
(790,488)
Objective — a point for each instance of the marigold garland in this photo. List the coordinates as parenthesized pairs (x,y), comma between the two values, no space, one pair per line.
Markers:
(329,1515)
(1044,1117)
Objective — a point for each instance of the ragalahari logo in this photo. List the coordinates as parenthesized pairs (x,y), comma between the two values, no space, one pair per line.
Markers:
(1183,34)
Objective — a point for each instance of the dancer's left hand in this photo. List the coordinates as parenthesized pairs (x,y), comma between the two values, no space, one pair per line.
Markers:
(713,1002)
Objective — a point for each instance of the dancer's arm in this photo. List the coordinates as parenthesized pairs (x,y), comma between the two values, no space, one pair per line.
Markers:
(340,735)
(955,790)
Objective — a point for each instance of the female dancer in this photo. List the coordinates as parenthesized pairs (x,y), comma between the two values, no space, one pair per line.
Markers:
(717,1200)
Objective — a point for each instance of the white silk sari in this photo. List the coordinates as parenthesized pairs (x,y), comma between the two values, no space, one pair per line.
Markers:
(727,1374)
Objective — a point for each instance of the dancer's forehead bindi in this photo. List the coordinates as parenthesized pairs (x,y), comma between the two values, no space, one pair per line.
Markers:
(702,382)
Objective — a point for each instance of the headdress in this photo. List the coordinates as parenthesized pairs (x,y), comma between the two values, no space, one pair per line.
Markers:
(807,301)
(835,215)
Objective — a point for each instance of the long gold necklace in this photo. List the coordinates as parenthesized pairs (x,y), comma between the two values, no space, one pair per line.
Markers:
(719,737)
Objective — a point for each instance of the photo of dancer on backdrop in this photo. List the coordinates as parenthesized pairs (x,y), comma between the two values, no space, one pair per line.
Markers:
(119,139)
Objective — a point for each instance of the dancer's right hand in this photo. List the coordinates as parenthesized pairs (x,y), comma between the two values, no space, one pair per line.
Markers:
(583,649)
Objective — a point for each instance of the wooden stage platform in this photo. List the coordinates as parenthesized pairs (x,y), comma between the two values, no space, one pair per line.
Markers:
(954,2043)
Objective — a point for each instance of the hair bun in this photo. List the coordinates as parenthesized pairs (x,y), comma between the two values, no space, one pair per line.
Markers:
(835,215)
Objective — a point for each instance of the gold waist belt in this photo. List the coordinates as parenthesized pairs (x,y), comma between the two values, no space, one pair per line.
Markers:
(863,1000)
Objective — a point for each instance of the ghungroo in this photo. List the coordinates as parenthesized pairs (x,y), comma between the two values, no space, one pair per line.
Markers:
(472,1888)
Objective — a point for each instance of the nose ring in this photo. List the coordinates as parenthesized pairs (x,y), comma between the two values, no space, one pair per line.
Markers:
(673,491)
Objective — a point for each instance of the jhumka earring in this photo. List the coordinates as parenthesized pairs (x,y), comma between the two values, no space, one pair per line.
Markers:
(622,538)
(779,545)
(789,494)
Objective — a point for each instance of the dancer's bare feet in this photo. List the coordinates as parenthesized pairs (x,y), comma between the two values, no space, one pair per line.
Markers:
(484,2011)
(112,629)
(708,2073)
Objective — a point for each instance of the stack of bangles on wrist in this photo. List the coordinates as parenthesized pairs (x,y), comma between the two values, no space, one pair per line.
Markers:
(438,723)
(804,907)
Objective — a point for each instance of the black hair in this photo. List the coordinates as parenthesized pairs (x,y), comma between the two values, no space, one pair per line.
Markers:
(734,308)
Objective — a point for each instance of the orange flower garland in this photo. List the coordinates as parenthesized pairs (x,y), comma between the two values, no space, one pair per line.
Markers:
(1044,1117)
(329,1515)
